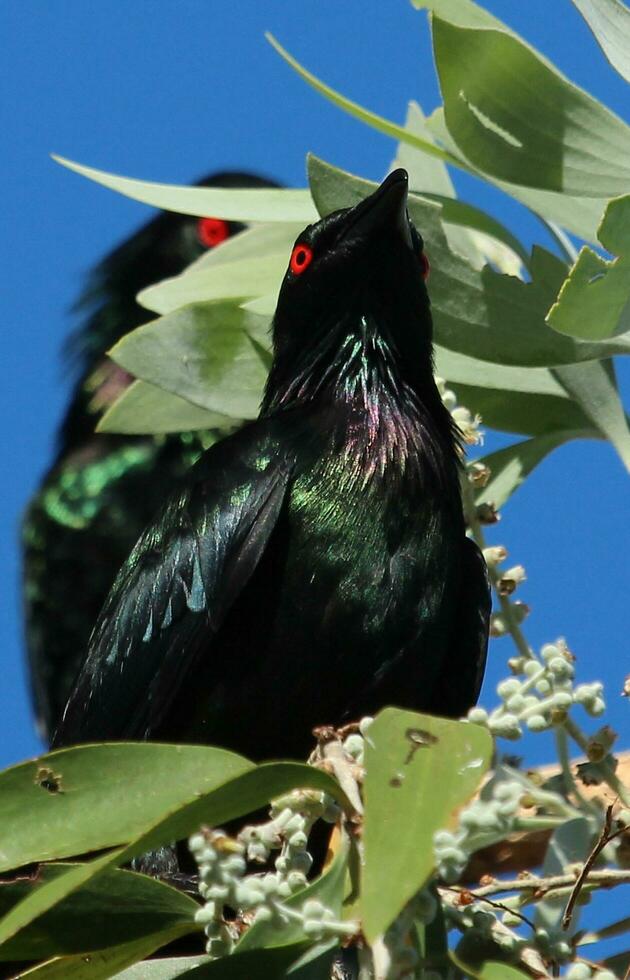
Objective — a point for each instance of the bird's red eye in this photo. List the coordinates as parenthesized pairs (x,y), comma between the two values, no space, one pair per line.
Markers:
(301,257)
(426,268)
(212,231)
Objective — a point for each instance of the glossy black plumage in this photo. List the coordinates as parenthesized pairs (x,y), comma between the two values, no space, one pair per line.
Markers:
(101,490)
(315,567)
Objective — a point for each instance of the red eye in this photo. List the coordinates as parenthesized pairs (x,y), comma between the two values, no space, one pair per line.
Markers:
(301,257)
(426,268)
(212,231)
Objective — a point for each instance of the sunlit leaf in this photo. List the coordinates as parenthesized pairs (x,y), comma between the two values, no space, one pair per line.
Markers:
(593,386)
(609,21)
(243,279)
(353,109)
(517,118)
(206,353)
(144,409)
(594,301)
(419,771)
(580,215)
(104,963)
(81,799)
(233,204)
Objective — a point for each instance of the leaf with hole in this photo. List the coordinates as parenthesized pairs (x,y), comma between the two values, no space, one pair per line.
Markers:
(420,771)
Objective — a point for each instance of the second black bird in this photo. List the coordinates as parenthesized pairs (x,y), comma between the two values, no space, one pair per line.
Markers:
(315,567)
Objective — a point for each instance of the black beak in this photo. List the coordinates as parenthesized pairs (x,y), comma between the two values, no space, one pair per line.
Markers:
(383,211)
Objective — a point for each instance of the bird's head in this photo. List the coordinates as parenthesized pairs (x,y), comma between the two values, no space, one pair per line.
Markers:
(354,297)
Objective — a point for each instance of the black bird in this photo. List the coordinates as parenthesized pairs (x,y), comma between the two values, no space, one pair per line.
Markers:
(101,490)
(315,566)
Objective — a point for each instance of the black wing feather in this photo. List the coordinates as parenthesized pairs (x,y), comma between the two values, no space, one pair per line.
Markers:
(175,589)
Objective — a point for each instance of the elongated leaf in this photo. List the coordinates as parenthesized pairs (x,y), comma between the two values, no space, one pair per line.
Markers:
(233,204)
(529,401)
(579,215)
(235,797)
(377,122)
(82,799)
(594,301)
(483,314)
(251,243)
(163,969)
(204,353)
(103,964)
(145,409)
(609,21)
(593,386)
(467,216)
(419,771)
(511,466)
(515,117)
(462,12)
(118,907)
(244,279)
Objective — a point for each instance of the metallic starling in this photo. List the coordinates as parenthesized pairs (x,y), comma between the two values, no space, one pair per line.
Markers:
(314,566)
(102,490)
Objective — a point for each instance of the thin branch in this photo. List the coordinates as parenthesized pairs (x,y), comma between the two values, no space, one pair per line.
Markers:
(608,878)
(606,836)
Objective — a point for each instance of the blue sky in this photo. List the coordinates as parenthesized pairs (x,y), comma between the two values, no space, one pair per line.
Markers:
(168,91)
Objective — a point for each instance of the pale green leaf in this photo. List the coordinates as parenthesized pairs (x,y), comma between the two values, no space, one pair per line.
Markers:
(419,771)
(594,301)
(569,846)
(207,353)
(377,122)
(593,386)
(515,117)
(609,21)
(233,204)
(168,968)
(144,409)
(579,215)
(104,963)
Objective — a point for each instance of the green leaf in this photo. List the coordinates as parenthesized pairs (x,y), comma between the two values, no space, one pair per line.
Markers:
(233,798)
(163,969)
(247,278)
(593,386)
(233,204)
(462,12)
(609,21)
(204,353)
(144,409)
(510,467)
(102,964)
(419,771)
(579,215)
(594,301)
(464,215)
(120,906)
(481,313)
(81,799)
(515,117)
(377,122)
(501,971)
(528,401)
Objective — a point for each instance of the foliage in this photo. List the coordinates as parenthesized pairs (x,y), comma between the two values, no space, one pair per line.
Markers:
(524,341)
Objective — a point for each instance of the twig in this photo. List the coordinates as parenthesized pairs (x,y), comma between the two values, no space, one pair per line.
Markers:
(606,836)
(540,886)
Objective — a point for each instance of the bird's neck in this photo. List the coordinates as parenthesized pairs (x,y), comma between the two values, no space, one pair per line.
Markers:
(384,425)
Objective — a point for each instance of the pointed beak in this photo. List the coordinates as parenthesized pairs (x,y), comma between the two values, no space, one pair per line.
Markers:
(384,211)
